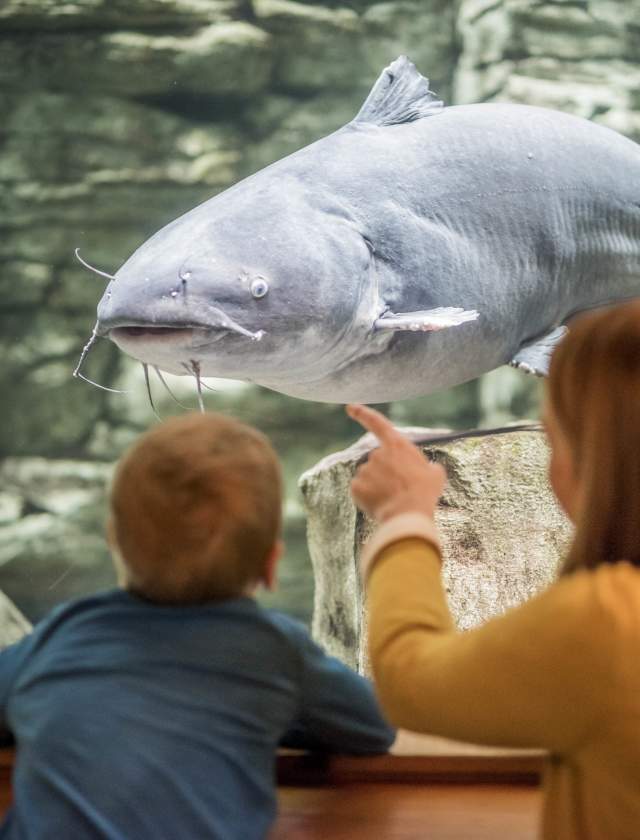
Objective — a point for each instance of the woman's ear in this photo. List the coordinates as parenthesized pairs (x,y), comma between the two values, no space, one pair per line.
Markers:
(270,573)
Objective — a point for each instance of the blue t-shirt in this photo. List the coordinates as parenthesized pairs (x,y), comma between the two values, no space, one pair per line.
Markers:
(136,721)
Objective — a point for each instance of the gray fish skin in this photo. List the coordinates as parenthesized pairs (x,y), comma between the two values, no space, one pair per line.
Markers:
(524,215)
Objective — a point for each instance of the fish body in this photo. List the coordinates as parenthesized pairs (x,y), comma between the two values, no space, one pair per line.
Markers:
(415,248)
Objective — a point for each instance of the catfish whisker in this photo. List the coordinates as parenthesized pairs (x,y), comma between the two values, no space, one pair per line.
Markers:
(192,372)
(98,385)
(202,383)
(195,367)
(59,579)
(83,356)
(145,368)
(91,268)
(168,389)
(86,349)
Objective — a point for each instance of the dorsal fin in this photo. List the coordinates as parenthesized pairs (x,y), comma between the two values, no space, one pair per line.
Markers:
(400,95)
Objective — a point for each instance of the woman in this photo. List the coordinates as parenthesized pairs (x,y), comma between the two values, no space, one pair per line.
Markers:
(562,671)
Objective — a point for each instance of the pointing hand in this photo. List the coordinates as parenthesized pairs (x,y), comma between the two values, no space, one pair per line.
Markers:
(396,478)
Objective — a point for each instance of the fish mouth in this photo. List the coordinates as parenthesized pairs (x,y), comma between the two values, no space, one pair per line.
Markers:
(171,334)
(130,337)
(138,333)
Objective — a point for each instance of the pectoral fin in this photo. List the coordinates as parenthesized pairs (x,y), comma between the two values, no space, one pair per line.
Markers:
(427,320)
(535,356)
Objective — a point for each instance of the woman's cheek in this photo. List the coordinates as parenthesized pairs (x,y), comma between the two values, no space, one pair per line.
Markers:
(562,482)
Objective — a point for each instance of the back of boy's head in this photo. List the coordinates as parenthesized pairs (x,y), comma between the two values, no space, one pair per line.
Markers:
(195,509)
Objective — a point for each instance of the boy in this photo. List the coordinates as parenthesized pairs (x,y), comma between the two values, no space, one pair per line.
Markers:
(155,710)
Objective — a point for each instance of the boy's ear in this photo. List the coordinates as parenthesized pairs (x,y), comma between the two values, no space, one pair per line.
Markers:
(118,564)
(111,533)
(270,573)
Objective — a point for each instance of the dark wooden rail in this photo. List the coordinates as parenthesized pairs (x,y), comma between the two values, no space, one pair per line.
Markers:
(408,797)
(304,769)
(394,797)
(6,768)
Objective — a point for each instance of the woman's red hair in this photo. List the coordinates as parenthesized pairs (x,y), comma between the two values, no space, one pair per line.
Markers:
(594,393)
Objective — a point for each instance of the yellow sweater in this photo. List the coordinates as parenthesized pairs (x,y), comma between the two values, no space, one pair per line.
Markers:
(560,672)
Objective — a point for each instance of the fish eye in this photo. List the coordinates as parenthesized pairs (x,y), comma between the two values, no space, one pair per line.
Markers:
(259,287)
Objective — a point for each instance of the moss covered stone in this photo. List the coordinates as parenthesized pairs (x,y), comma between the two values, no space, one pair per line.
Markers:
(502,532)
(52,545)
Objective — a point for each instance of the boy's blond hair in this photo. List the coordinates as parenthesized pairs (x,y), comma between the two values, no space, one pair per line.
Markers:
(196,509)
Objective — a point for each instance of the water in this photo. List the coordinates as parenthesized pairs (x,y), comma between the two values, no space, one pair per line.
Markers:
(111,129)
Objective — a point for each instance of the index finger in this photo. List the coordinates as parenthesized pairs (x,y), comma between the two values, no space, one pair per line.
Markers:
(374,422)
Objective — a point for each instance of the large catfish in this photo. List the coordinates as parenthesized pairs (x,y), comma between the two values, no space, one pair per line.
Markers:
(413,249)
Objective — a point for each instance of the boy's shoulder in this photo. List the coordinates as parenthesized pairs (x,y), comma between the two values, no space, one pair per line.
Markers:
(118,612)
(286,624)
(282,620)
(62,613)
(111,603)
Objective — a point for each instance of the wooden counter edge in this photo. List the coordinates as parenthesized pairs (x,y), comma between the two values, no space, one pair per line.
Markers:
(302,769)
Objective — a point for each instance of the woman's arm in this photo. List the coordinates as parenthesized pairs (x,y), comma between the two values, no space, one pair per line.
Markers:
(533,677)
(339,711)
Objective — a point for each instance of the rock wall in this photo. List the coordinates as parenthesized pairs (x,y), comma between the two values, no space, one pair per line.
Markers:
(118,115)
(502,532)
(52,546)
(581,57)
(13,625)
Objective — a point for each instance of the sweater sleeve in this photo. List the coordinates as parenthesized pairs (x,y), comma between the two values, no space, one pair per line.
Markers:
(517,680)
(339,711)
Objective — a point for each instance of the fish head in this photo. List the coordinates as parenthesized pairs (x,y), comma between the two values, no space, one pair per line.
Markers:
(263,291)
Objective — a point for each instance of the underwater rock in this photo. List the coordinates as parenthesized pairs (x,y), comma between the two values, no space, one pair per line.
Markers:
(579,58)
(13,625)
(236,54)
(229,57)
(315,44)
(502,532)
(94,141)
(334,51)
(52,546)
(44,15)
(423,30)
